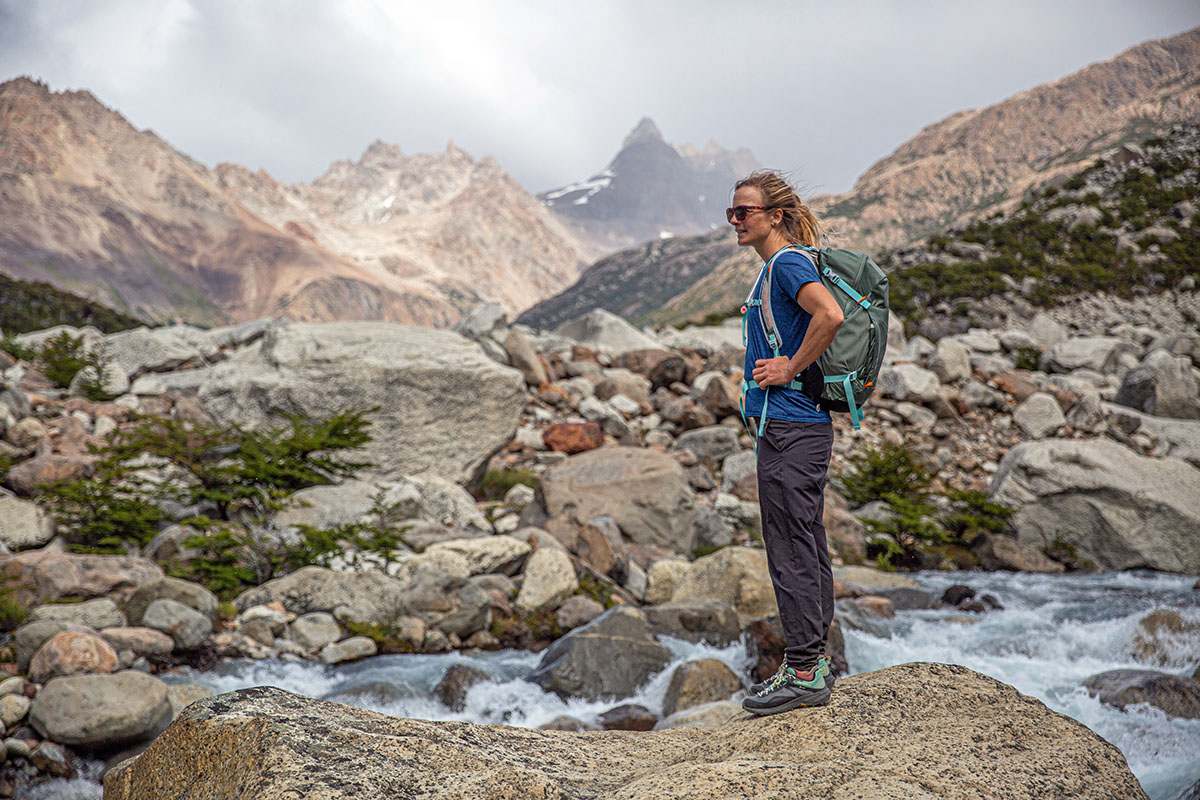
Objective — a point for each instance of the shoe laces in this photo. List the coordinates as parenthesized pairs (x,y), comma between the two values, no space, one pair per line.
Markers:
(776,680)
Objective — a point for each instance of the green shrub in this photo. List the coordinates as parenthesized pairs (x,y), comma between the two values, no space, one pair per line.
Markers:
(879,472)
(386,637)
(1028,357)
(899,538)
(12,613)
(972,512)
(598,590)
(60,357)
(10,345)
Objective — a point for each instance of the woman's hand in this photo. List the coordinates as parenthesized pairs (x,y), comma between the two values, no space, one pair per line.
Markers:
(773,371)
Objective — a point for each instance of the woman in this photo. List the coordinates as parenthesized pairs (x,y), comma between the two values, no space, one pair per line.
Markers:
(796,436)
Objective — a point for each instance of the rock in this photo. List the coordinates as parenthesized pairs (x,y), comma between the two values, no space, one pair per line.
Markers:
(453,605)
(684,413)
(192,595)
(157,349)
(346,503)
(499,554)
(41,576)
(956,594)
(905,599)
(1176,696)
(602,330)
(1115,509)
(609,418)
(737,576)
(519,496)
(52,759)
(622,382)
(925,716)
(715,441)
(1163,385)
(577,610)
(102,712)
(458,679)
(1039,416)
(72,653)
(26,477)
(876,606)
(13,708)
(712,531)
(573,437)
(662,578)
(522,356)
(1100,353)
(598,545)
(720,397)
(1159,635)
(367,596)
(314,630)
(141,641)
(873,578)
(845,534)
(610,657)
(444,502)
(628,717)
(31,636)
(697,621)
(697,682)
(850,615)
(317,369)
(645,492)
(706,715)
(908,382)
(549,579)
(950,361)
(484,321)
(1004,552)
(95,614)
(115,381)
(13,685)
(352,649)
(566,723)
(23,524)
(26,434)
(182,695)
(188,627)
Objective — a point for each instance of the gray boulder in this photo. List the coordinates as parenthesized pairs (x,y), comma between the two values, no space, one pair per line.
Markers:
(950,361)
(450,604)
(1039,416)
(314,630)
(187,626)
(23,524)
(612,656)
(696,621)
(716,441)
(1118,510)
(695,683)
(158,349)
(192,595)
(1163,385)
(446,415)
(367,596)
(102,712)
(1100,353)
(1046,331)
(549,579)
(352,649)
(605,331)
(908,382)
(523,357)
(646,492)
(31,636)
(95,614)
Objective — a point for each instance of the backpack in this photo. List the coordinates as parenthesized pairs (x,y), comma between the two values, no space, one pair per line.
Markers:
(844,375)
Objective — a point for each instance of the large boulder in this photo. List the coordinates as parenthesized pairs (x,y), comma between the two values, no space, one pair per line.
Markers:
(443,406)
(697,682)
(950,361)
(70,653)
(192,595)
(1100,353)
(735,575)
(611,656)
(486,554)
(23,524)
(367,596)
(96,614)
(715,441)
(102,712)
(1114,508)
(945,725)
(605,331)
(145,350)
(450,604)
(41,576)
(1175,695)
(1163,385)
(644,491)
(187,626)
(1039,416)
(30,637)
(549,579)
(708,621)
(908,382)
(996,552)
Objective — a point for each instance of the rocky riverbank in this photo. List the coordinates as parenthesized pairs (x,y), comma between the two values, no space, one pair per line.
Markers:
(643,521)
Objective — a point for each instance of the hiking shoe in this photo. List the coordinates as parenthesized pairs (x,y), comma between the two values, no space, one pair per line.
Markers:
(822,665)
(789,689)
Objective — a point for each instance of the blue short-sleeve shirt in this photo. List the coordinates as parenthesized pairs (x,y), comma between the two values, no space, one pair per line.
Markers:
(791,270)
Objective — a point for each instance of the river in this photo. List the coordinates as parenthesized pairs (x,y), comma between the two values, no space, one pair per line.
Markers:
(1053,632)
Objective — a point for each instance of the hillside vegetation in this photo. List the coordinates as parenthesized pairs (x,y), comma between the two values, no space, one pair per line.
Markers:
(26,306)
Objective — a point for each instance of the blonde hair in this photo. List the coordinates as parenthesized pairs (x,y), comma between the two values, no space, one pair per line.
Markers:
(800,225)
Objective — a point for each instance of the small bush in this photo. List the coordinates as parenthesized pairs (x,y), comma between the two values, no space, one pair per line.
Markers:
(889,470)
(12,613)
(1028,357)
(61,356)
(598,590)
(386,637)
(10,345)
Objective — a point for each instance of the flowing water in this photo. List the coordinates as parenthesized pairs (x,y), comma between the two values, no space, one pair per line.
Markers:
(1052,634)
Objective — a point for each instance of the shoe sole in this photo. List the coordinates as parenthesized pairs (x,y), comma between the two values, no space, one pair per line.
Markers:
(817,698)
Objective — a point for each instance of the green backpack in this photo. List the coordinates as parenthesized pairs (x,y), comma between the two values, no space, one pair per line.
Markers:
(850,365)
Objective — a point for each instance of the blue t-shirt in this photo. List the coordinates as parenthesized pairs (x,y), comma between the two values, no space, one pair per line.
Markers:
(791,270)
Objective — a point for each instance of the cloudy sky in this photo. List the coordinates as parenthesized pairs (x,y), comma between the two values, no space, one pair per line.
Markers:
(550,89)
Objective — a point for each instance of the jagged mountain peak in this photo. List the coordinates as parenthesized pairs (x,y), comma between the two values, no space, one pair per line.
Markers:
(644,131)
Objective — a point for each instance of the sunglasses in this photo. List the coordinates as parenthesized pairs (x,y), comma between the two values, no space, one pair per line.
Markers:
(739,213)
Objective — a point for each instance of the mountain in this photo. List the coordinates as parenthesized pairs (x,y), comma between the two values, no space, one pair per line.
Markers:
(977,163)
(650,190)
(94,206)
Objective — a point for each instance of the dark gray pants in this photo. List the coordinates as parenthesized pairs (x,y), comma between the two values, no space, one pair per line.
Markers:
(793,459)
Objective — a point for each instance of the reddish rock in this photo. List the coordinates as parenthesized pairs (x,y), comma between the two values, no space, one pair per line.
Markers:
(573,437)
(48,468)
(628,717)
(552,395)
(684,412)
(876,606)
(845,533)
(1015,383)
(38,576)
(581,353)
(117,413)
(70,653)
(746,489)
(643,362)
